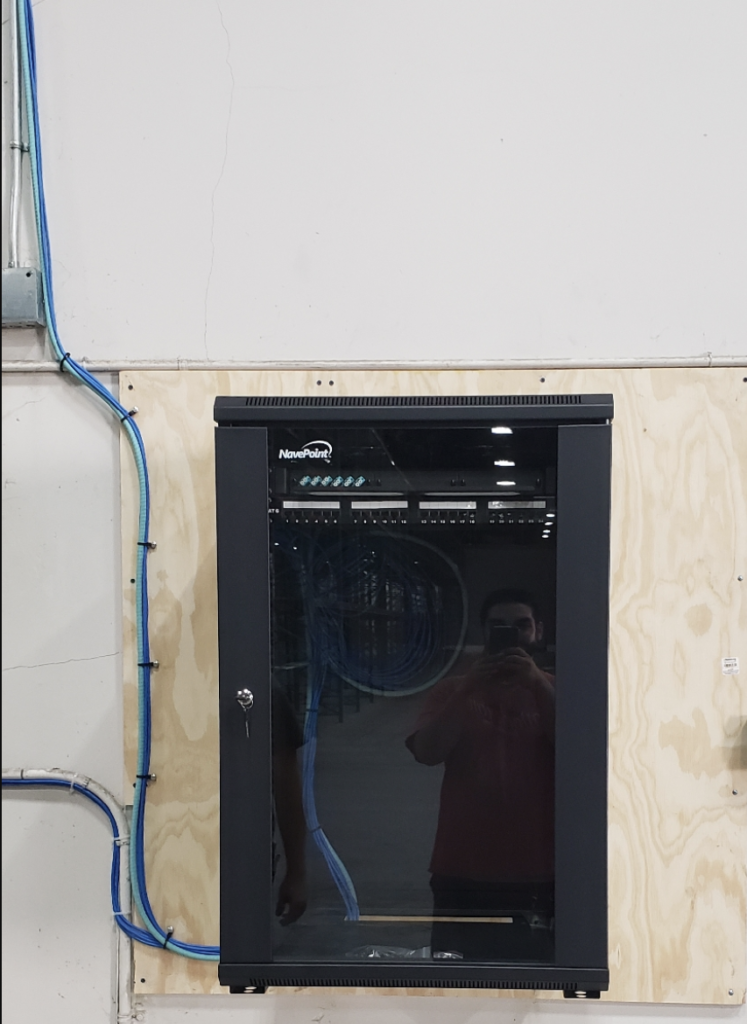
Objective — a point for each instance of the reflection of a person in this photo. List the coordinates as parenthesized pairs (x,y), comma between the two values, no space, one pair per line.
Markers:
(493,730)
(286,784)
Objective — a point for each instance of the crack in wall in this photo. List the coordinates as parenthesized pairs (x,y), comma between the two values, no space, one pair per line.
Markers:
(12,412)
(68,661)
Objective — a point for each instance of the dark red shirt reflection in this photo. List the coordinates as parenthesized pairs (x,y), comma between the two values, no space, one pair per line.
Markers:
(496,814)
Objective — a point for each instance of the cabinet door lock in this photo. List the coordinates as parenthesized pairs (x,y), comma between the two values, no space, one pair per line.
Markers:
(245,700)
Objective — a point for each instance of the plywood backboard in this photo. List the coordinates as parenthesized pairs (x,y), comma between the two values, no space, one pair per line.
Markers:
(678,761)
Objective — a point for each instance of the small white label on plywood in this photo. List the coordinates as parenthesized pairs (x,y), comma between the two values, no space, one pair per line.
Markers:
(730,666)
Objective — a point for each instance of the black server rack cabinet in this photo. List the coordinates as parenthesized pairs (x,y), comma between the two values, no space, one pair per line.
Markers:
(413,637)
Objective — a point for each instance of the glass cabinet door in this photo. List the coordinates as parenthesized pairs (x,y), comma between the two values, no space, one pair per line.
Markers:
(413,581)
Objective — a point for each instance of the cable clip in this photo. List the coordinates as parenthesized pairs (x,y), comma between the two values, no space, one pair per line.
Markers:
(150,544)
(121,840)
(128,415)
(19,145)
(169,934)
(147,664)
(149,778)
(67,357)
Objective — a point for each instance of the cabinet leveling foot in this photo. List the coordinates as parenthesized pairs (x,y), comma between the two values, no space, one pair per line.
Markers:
(574,993)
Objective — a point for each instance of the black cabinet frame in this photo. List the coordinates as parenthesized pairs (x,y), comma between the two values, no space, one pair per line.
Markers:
(583,508)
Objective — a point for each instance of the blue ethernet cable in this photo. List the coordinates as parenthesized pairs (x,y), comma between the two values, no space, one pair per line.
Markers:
(68,365)
(131,930)
(333,579)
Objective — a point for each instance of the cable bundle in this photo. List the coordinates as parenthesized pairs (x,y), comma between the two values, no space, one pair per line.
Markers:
(337,869)
(381,614)
(346,583)
(155,934)
(300,554)
(131,930)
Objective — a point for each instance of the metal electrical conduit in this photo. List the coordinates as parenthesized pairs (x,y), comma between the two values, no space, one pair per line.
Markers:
(16,140)
(123,365)
(81,784)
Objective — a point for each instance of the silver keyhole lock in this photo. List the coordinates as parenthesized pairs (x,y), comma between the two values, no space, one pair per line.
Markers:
(245,700)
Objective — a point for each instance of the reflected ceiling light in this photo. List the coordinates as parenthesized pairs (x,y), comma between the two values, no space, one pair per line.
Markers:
(501,430)
(504,462)
(506,483)
(550,515)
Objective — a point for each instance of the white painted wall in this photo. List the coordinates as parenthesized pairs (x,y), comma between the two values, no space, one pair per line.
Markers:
(400,179)
(326,180)
(61,693)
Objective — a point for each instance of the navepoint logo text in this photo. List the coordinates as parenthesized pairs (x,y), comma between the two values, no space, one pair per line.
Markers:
(312,450)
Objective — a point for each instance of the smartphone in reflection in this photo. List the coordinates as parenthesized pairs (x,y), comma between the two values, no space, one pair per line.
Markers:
(500,638)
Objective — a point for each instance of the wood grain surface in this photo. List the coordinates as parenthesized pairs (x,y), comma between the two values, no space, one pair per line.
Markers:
(678,726)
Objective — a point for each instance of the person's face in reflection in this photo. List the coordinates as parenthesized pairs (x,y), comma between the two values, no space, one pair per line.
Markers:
(521,617)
